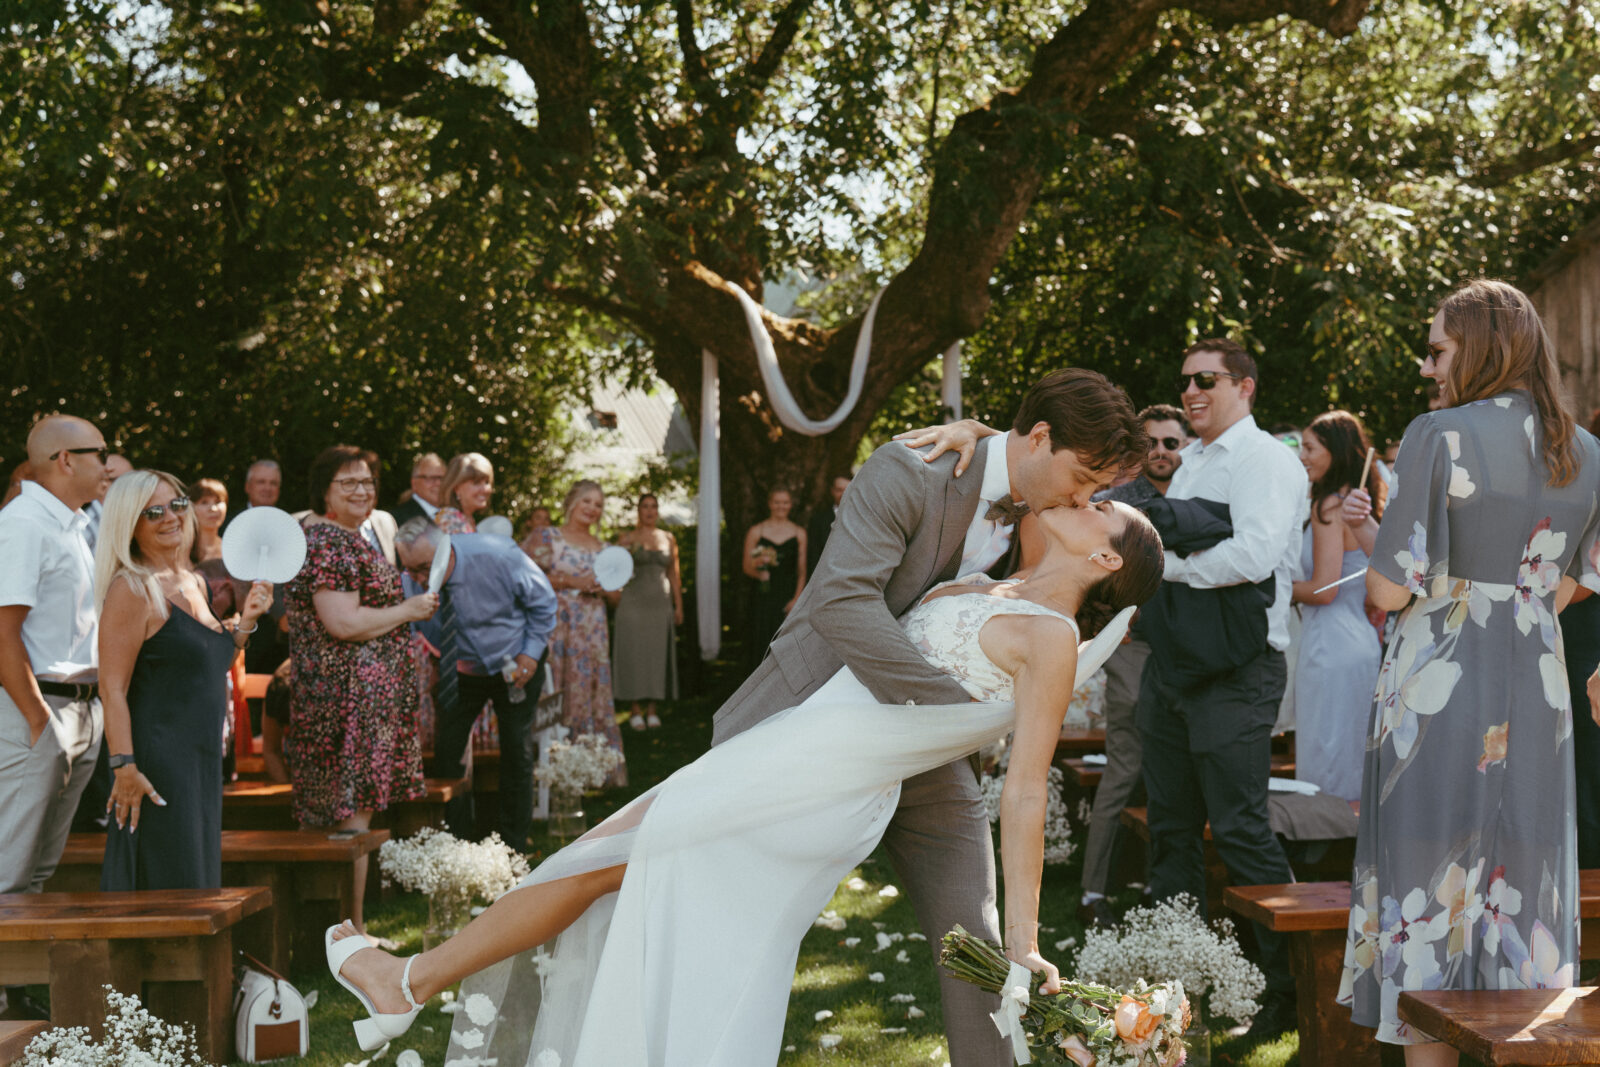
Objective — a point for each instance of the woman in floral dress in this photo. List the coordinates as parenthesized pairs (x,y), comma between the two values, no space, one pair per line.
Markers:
(1466,870)
(580,649)
(351,744)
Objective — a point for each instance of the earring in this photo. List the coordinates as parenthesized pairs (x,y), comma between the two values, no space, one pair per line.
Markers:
(1094,556)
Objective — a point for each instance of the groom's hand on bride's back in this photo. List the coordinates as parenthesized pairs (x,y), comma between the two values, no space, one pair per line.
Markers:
(961,437)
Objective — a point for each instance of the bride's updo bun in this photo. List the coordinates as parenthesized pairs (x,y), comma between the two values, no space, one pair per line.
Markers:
(1130,585)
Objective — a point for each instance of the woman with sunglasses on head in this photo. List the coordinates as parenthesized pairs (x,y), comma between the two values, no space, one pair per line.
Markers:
(1338,649)
(352,743)
(1466,873)
(163,661)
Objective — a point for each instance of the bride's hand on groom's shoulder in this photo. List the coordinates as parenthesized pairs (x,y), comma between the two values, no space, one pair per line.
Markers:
(961,436)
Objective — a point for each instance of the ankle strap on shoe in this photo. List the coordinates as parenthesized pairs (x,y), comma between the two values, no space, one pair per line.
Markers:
(405,983)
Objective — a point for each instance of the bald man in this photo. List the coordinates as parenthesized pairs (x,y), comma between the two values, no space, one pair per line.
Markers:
(50,720)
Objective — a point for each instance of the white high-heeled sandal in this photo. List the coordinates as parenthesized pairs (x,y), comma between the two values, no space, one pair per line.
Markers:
(378,1027)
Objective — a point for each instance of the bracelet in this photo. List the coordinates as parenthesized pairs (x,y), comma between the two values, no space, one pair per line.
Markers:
(1013,926)
(241,630)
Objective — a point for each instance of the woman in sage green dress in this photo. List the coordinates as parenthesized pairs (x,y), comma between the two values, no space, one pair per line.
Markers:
(1466,870)
(644,656)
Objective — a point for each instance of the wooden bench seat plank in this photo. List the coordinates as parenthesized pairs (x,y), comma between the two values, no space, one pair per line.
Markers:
(1326,905)
(98,916)
(1075,742)
(15,1036)
(1511,1026)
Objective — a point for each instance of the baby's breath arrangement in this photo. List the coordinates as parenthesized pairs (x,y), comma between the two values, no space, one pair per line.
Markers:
(1058,844)
(133,1038)
(446,868)
(1170,940)
(578,765)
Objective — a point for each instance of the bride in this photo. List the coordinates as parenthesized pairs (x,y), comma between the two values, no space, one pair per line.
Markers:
(676,923)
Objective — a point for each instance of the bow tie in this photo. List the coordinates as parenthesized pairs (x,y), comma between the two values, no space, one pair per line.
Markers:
(1005,511)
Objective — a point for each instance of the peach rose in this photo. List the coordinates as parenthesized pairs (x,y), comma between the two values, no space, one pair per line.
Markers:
(1133,1020)
(1077,1051)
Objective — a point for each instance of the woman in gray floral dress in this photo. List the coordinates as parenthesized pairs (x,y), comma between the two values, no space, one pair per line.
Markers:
(1466,868)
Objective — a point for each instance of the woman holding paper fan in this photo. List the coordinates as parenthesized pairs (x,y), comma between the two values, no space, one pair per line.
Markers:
(1339,650)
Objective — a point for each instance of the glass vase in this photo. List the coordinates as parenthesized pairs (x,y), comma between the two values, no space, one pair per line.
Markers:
(446,916)
(567,821)
(1197,1039)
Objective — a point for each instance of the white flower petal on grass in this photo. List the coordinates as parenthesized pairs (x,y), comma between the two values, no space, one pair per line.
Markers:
(1065,943)
(450,1007)
(916,937)
(409,1058)
(875,976)
(468,1039)
(447,996)
(830,1040)
(884,941)
(823,1014)
(851,942)
(858,884)
(902,957)
(829,920)
(311,999)
(879,926)
(891,1029)
(381,1053)
(914,1012)
(788,1048)
(481,1010)
(903,998)
(888,891)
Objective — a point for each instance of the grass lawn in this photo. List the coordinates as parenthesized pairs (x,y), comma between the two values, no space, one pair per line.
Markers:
(877,1030)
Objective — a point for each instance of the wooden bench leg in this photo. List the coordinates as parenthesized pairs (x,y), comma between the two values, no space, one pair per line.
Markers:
(324,895)
(268,934)
(200,991)
(1327,1036)
(79,971)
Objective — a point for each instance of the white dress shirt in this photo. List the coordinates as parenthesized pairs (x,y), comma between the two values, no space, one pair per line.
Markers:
(49,570)
(988,540)
(1268,496)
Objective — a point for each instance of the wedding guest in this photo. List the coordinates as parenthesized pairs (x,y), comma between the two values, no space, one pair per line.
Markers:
(1338,651)
(164,659)
(1468,788)
(775,563)
(19,474)
(1207,739)
(209,499)
(580,651)
(496,613)
(351,744)
(50,719)
(644,646)
(821,522)
(116,466)
(1580,636)
(427,484)
(262,483)
(538,519)
(464,493)
(1168,433)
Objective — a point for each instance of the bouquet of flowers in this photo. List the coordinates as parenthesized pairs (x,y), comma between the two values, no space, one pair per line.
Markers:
(132,1037)
(1058,845)
(1171,938)
(766,558)
(1084,1024)
(450,870)
(577,765)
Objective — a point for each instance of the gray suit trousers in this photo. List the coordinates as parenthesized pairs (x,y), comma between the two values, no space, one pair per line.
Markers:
(1124,760)
(40,786)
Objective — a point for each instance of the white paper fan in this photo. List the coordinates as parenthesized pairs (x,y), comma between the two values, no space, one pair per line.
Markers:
(264,545)
(613,566)
(441,565)
(496,526)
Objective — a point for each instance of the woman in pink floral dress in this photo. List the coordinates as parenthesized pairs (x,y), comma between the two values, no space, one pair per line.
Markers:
(580,649)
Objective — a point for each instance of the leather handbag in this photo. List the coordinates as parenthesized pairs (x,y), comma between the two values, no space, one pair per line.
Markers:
(270,1019)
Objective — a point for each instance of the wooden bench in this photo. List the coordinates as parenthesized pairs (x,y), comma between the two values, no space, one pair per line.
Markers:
(311,875)
(1074,742)
(15,1036)
(253,805)
(174,948)
(1526,1026)
(1086,775)
(1315,916)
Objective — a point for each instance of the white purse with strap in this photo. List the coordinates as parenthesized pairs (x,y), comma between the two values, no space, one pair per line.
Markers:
(270,1019)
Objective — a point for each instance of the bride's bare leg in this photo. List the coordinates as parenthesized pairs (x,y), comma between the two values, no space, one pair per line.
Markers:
(516,922)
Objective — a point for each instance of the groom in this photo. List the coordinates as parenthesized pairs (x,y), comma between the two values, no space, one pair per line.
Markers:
(904,526)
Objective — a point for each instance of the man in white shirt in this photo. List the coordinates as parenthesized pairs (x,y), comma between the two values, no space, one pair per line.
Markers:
(1207,744)
(50,719)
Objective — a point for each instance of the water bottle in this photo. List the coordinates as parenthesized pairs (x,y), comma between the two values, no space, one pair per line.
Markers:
(515,693)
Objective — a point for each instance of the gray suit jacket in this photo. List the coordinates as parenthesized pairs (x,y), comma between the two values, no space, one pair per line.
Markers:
(900,531)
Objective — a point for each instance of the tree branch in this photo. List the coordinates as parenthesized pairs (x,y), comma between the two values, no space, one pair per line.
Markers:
(784,30)
(1536,158)
(555,46)
(694,60)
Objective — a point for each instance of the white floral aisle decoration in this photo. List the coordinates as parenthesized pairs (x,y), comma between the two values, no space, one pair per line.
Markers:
(1171,939)
(575,766)
(133,1038)
(452,873)
(1058,843)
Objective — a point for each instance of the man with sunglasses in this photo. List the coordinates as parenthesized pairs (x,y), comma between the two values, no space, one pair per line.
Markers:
(1207,742)
(50,719)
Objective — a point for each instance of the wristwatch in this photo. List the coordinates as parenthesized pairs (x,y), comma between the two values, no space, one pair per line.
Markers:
(121,759)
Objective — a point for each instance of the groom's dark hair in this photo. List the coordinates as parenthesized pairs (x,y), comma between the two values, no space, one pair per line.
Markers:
(1087,414)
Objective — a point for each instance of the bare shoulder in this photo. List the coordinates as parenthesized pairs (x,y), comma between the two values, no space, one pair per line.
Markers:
(1042,643)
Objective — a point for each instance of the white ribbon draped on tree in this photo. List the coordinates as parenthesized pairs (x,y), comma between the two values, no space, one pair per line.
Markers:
(708,562)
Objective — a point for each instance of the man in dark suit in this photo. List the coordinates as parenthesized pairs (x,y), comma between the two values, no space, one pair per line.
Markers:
(427,478)
(822,522)
(904,526)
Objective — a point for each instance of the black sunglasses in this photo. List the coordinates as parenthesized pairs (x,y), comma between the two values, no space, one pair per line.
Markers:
(100,452)
(1205,379)
(178,505)
(1171,444)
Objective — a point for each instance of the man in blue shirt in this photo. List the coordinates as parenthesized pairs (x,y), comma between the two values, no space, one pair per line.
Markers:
(496,614)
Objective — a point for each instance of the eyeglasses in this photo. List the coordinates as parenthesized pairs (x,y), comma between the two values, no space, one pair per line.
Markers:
(420,573)
(100,453)
(1171,444)
(351,485)
(178,505)
(427,477)
(1205,379)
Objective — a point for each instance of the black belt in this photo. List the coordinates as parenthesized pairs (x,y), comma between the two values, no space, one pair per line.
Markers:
(75,690)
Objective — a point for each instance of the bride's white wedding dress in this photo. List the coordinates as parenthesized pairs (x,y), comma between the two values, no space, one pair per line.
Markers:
(729,862)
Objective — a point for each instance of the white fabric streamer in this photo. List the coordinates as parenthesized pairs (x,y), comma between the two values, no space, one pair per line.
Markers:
(950,387)
(708,538)
(1013,1003)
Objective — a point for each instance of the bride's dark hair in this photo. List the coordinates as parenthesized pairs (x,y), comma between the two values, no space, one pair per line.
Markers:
(1130,585)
